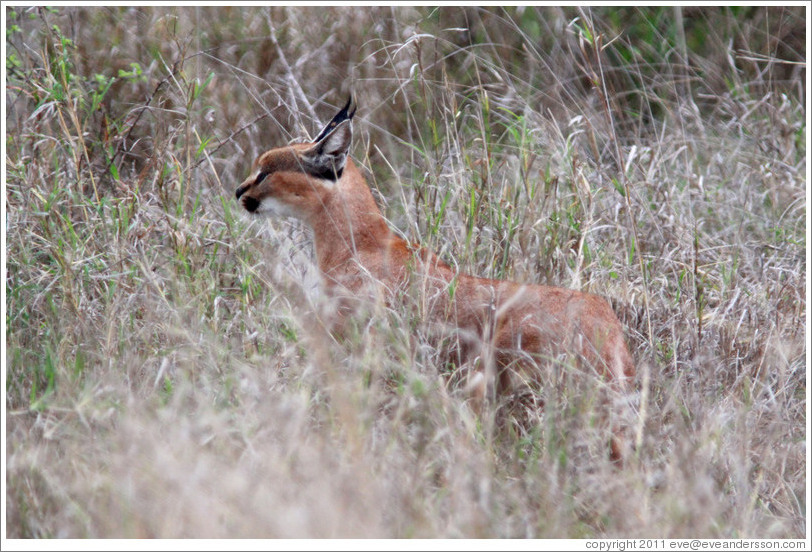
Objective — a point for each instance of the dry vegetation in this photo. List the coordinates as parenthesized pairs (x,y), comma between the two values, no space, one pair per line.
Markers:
(165,377)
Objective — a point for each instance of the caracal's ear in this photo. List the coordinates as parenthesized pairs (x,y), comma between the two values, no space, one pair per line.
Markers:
(328,155)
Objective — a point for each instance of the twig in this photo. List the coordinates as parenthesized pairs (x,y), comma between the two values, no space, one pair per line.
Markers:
(231,136)
(296,90)
(624,179)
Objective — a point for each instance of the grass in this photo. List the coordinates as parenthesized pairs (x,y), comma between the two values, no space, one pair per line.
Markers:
(165,372)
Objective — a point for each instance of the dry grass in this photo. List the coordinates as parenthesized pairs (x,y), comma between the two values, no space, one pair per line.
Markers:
(165,377)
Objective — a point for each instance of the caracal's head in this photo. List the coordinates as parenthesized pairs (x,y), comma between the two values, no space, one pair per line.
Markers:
(294,180)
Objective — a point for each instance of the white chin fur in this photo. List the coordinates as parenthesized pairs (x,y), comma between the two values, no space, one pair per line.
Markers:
(272,207)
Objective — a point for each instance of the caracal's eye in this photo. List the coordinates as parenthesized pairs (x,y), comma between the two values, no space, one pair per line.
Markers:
(260,177)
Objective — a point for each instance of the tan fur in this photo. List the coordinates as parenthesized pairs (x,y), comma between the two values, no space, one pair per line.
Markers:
(502,328)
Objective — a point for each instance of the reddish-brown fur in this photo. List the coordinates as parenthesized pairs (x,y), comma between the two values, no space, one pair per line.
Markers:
(501,328)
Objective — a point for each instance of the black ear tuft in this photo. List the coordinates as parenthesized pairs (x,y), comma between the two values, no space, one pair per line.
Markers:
(344,115)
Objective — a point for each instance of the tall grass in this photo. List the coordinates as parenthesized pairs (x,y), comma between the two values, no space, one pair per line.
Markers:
(166,372)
